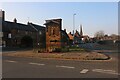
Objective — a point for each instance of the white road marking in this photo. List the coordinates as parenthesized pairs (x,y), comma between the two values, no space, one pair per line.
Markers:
(37,64)
(109,71)
(84,71)
(10,61)
(65,66)
(106,71)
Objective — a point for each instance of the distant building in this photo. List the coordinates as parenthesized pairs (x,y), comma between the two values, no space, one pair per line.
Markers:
(64,38)
(78,37)
(70,38)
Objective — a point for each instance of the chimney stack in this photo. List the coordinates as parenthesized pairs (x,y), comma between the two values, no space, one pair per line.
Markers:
(15,20)
(65,30)
(2,15)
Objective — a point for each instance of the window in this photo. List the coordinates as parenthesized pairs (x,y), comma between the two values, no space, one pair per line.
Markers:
(1,34)
(18,31)
(49,31)
(57,31)
(9,35)
(40,32)
(53,31)
(26,32)
(46,29)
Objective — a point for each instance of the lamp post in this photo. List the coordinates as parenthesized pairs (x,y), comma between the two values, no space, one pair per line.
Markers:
(73,26)
(74,23)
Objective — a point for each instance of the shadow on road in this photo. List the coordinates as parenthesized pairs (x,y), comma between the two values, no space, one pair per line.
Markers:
(4,49)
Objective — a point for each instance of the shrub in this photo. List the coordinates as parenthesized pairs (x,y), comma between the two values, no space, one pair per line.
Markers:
(64,49)
(101,42)
(57,50)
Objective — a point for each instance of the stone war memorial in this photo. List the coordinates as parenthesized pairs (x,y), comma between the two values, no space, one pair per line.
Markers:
(55,35)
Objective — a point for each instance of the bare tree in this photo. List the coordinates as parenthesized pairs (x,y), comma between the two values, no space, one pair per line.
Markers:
(114,36)
(99,34)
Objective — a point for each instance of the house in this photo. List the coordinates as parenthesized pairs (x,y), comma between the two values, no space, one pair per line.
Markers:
(64,38)
(51,37)
(86,39)
(77,38)
(20,35)
(70,35)
(40,37)
(14,33)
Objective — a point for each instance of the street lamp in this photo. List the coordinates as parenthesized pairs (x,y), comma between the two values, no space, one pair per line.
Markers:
(73,26)
(74,23)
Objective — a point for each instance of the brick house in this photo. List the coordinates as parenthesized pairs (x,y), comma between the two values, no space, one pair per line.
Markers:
(17,34)
(40,35)
(21,35)
(13,33)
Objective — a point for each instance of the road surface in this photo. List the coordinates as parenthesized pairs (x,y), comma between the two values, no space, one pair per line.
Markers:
(14,67)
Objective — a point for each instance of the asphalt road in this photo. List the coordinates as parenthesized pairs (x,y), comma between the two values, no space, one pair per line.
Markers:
(14,67)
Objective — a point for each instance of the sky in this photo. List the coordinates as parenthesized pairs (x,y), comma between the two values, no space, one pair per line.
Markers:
(94,16)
